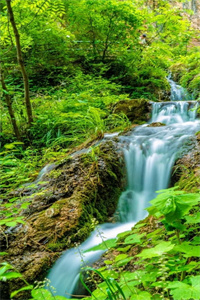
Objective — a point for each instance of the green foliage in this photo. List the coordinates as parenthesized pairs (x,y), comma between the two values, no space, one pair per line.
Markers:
(103,27)
(104,245)
(157,251)
(61,41)
(113,290)
(17,166)
(173,204)
(41,294)
(8,272)
(181,290)
(71,117)
(165,260)
(5,275)
(187,71)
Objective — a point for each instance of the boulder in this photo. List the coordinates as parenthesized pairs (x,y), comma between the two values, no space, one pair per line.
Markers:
(137,110)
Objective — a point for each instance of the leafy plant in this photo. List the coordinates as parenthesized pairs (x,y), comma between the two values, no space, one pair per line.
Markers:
(165,260)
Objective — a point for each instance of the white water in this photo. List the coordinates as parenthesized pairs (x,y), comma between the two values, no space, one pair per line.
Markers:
(174,112)
(64,275)
(178,93)
(149,153)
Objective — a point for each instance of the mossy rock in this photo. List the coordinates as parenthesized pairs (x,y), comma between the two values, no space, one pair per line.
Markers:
(85,188)
(136,110)
(186,171)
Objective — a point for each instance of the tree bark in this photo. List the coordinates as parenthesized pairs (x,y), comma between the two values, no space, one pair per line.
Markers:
(9,105)
(21,63)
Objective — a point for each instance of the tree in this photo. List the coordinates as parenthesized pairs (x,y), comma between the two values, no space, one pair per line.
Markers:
(103,28)
(9,105)
(21,63)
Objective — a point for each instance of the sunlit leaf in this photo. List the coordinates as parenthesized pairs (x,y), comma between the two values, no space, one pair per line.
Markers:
(29,287)
(158,250)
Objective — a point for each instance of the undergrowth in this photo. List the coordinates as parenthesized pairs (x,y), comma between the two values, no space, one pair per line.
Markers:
(160,264)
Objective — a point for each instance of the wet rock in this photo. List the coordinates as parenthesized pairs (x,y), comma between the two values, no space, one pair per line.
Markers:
(82,188)
(164,95)
(156,124)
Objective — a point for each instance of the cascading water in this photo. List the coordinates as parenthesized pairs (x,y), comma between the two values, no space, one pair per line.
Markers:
(174,112)
(178,93)
(149,153)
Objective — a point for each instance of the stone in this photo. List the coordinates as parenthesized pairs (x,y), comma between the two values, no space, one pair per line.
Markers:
(136,110)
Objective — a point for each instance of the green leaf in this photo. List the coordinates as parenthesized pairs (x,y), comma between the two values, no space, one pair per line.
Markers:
(41,294)
(25,205)
(141,296)
(195,281)
(173,204)
(123,234)
(133,239)
(169,206)
(108,262)
(100,293)
(129,290)
(195,218)
(123,262)
(4,269)
(134,278)
(181,290)
(6,92)
(110,273)
(188,249)
(11,275)
(159,250)
(120,257)
(11,224)
(103,246)
(124,249)
(157,297)
(29,287)
(9,146)
(18,143)
(3,253)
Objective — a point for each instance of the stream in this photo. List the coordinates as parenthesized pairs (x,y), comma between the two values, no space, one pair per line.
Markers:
(150,153)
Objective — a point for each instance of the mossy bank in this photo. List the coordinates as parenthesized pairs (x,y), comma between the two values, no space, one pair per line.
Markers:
(81,190)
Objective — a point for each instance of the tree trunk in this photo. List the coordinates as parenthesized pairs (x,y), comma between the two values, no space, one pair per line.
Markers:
(21,63)
(9,105)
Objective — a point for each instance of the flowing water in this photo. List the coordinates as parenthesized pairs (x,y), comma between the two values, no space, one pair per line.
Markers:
(178,93)
(150,153)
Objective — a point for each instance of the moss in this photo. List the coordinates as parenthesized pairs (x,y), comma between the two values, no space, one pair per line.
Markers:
(189,181)
(186,172)
(87,188)
(56,247)
(136,110)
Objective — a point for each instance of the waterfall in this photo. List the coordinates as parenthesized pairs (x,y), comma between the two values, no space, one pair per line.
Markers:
(174,112)
(150,153)
(178,93)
